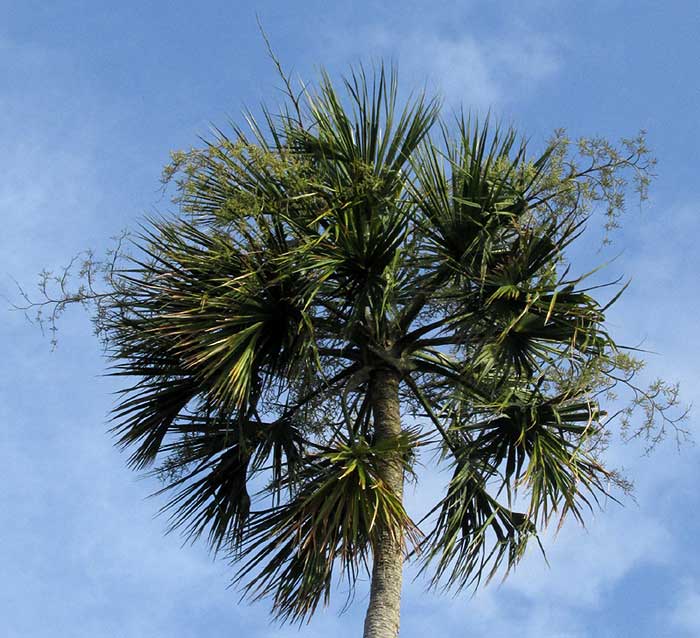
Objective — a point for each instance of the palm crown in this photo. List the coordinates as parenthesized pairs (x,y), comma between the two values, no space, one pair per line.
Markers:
(340,266)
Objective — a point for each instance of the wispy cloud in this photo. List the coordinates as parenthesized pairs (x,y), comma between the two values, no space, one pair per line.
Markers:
(685,613)
(479,72)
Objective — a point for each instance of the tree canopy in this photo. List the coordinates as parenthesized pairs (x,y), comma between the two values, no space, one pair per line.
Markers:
(322,253)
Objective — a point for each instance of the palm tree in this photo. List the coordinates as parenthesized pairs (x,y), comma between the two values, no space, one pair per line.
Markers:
(348,287)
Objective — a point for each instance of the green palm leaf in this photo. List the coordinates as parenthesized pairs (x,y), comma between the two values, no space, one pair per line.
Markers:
(334,518)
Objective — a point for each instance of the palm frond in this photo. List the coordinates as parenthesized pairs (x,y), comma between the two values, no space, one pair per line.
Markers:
(473,534)
(208,467)
(331,522)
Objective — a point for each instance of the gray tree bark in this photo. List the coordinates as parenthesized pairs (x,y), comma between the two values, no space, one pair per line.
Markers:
(383,612)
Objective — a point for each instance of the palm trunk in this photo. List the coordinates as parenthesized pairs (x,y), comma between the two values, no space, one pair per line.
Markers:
(382,619)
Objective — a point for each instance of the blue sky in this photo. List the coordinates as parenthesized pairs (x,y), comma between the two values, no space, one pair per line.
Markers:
(94,95)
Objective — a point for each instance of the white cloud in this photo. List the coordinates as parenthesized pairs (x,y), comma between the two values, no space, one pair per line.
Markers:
(52,190)
(477,72)
(685,614)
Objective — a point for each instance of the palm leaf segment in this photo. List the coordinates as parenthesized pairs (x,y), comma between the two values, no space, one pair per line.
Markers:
(333,241)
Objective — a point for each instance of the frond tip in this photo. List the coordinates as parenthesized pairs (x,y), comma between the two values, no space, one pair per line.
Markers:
(474,534)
